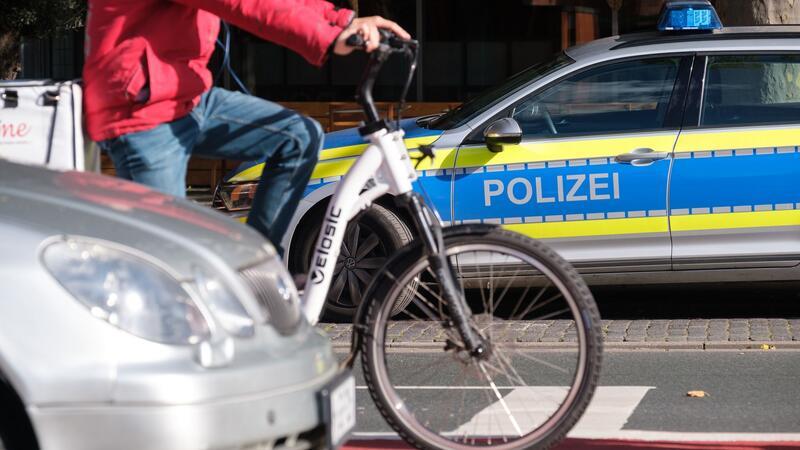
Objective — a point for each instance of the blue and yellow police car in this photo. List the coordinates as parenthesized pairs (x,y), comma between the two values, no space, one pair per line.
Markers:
(662,157)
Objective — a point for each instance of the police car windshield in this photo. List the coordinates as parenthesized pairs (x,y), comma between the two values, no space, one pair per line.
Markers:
(469,109)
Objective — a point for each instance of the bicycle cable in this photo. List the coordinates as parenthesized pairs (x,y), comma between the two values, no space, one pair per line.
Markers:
(226,60)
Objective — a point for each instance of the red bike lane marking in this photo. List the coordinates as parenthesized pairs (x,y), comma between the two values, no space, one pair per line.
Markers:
(604,444)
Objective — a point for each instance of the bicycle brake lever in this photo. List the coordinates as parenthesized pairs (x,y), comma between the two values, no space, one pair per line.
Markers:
(427,153)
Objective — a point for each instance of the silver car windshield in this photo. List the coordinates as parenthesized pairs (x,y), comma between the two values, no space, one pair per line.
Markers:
(467,110)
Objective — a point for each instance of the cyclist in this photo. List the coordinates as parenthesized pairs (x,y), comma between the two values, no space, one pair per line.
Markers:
(150,103)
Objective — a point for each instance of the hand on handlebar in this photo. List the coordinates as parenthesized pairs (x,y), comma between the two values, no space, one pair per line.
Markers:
(367,28)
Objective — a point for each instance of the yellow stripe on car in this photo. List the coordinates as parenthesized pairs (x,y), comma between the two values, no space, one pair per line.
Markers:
(584,228)
(355,150)
(758,219)
(443,158)
(337,161)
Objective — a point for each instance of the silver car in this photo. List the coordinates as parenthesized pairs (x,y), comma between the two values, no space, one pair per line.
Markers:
(131,319)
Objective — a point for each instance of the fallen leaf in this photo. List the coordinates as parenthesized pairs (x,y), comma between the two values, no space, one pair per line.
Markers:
(697,394)
(767,347)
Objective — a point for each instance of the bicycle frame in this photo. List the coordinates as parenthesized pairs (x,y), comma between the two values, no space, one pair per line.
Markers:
(383,168)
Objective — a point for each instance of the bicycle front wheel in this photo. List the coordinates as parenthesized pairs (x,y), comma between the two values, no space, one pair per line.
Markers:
(542,331)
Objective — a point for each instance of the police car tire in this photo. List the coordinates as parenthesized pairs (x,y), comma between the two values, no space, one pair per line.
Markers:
(393,233)
(372,354)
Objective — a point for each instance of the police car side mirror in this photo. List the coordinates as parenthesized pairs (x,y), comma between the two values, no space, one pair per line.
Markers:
(505,131)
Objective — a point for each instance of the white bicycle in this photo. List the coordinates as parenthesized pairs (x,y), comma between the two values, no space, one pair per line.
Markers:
(485,379)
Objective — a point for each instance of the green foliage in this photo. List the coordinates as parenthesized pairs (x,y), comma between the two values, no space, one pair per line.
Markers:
(37,18)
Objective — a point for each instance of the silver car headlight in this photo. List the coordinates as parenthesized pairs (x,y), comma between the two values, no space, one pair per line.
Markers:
(224,305)
(127,291)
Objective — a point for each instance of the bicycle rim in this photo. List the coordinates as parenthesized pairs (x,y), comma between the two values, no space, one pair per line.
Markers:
(528,392)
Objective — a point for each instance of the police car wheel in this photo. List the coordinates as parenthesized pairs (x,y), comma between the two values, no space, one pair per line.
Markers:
(375,235)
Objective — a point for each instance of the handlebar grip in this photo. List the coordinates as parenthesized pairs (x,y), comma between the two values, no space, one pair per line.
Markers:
(387,38)
(355,40)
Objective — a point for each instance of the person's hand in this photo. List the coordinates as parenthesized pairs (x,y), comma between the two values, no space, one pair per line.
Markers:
(367,27)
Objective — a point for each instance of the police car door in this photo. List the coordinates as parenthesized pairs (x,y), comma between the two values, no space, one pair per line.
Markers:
(590,175)
(735,200)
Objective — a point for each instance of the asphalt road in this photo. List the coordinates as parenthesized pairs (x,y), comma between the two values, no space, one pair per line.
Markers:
(752,396)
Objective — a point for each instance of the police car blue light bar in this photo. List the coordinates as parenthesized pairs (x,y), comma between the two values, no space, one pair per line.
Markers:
(689,15)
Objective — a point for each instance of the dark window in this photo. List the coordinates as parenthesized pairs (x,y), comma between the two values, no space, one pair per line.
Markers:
(749,90)
(623,97)
(489,97)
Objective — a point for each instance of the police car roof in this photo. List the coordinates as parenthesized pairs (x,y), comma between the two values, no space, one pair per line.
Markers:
(760,38)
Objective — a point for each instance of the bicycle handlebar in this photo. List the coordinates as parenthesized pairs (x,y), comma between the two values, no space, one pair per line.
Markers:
(388,39)
(390,43)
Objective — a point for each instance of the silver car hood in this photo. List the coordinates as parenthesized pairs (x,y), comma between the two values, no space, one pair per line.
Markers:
(174,230)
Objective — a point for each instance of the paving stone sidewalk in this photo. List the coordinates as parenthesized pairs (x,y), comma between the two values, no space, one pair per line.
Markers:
(676,334)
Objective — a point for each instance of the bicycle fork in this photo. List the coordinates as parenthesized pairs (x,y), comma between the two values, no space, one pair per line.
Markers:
(431,237)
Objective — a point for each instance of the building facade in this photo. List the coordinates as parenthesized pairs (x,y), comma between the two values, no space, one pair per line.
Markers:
(467,46)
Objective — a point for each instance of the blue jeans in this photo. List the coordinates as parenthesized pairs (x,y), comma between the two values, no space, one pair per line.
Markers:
(228,125)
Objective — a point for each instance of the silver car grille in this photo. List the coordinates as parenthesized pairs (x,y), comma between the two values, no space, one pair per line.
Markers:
(278,301)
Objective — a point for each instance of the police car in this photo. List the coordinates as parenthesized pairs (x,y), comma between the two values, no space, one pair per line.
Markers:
(660,157)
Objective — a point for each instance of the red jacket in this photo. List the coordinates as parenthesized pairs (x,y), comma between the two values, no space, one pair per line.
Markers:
(166,45)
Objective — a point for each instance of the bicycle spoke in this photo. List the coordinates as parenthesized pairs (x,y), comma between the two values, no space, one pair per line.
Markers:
(480,282)
(511,392)
(426,370)
(533,306)
(501,399)
(522,383)
(427,308)
(554,314)
(521,300)
(505,290)
(518,352)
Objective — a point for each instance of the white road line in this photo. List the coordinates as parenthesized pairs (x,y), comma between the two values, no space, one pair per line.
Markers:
(609,411)
(605,417)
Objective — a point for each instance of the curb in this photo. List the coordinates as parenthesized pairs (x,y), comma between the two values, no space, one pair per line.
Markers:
(613,346)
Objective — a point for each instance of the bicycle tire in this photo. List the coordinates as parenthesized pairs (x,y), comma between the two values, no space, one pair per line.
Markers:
(373,351)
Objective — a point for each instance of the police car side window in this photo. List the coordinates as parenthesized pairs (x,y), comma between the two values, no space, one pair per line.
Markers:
(751,90)
(615,98)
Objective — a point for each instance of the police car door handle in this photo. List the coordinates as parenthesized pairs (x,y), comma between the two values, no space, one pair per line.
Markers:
(640,157)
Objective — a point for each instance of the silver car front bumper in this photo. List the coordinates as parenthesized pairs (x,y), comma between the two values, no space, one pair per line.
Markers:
(232,422)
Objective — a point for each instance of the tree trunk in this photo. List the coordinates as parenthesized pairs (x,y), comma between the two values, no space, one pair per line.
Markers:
(9,55)
(758,12)
(781,82)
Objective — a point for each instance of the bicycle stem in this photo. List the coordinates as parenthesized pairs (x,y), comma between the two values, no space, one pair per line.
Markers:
(364,95)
